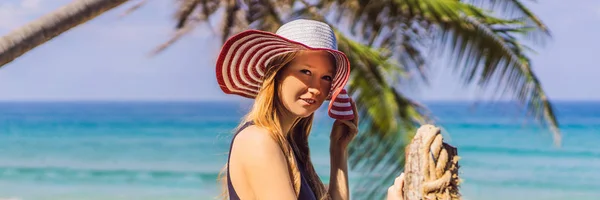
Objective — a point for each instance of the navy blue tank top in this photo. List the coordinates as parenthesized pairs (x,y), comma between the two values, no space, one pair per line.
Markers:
(306,192)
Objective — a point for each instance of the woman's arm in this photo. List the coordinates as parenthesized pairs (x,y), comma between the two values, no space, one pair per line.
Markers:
(338,184)
(262,167)
(342,133)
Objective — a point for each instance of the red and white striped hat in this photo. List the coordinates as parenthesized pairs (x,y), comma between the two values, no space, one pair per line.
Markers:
(243,59)
(341,107)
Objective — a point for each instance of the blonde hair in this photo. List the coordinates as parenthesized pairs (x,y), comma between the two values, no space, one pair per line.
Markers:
(265,114)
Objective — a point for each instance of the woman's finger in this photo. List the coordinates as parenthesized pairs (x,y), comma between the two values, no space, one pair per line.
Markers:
(350,125)
(395,191)
(392,194)
(355,120)
(400,184)
(399,180)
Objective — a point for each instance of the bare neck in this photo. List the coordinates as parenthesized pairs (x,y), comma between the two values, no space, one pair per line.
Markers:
(287,121)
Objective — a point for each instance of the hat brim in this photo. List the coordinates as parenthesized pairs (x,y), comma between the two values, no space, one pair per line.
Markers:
(243,59)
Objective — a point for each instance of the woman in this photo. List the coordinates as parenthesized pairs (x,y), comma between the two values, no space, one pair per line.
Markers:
(289,74)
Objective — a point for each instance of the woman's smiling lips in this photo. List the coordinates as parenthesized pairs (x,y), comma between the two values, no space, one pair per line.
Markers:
(309,101)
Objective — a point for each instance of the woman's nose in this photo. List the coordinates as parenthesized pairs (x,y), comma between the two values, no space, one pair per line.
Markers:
(315,86)
(314,91)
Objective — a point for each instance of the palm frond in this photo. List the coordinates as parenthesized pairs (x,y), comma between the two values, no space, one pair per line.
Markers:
(230,20)
(485,49)
(191,13)
(486,56)
(511,8)
(518,10)
(381,24)
(378,151)
(184,11)
(264,15)
(134,8)
(179,33)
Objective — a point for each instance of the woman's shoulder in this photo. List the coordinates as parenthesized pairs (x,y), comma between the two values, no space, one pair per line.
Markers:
(256,143)
(259,166)
(253,136)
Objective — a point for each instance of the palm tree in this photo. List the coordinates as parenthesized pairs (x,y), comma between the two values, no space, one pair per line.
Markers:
(20,41)
(386,42)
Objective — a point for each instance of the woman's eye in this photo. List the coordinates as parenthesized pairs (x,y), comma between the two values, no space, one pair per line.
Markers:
(328,78)
(305,71)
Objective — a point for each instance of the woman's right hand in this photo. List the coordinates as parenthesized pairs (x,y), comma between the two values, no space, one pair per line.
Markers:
(395,192)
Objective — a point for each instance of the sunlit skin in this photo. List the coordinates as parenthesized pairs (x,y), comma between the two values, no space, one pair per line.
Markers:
(305,84)
(395,191)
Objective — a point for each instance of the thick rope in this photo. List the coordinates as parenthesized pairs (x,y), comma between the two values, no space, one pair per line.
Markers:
(431,167)
(440,170)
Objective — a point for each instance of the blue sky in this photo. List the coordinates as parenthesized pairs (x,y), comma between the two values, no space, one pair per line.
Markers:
(107,58)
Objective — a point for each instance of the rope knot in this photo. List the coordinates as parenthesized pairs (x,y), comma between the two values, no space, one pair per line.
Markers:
(431,167)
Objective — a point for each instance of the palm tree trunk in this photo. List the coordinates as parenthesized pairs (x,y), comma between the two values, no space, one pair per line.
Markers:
(20,41)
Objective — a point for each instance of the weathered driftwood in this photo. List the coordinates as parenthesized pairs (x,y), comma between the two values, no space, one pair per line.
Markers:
(431,170)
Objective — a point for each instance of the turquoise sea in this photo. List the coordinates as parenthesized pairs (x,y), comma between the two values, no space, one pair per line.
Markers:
(174,151)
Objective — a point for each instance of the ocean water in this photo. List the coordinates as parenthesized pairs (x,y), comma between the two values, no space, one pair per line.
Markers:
(102,150)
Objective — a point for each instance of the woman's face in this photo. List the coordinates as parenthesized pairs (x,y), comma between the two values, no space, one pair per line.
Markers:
(305,82)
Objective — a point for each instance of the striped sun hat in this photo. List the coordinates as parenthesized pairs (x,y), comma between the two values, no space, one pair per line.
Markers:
(243,59)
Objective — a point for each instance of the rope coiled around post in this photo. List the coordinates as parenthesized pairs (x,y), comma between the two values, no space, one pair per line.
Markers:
(431,167)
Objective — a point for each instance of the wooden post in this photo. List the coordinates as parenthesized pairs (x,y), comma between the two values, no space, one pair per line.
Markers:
(431,169)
